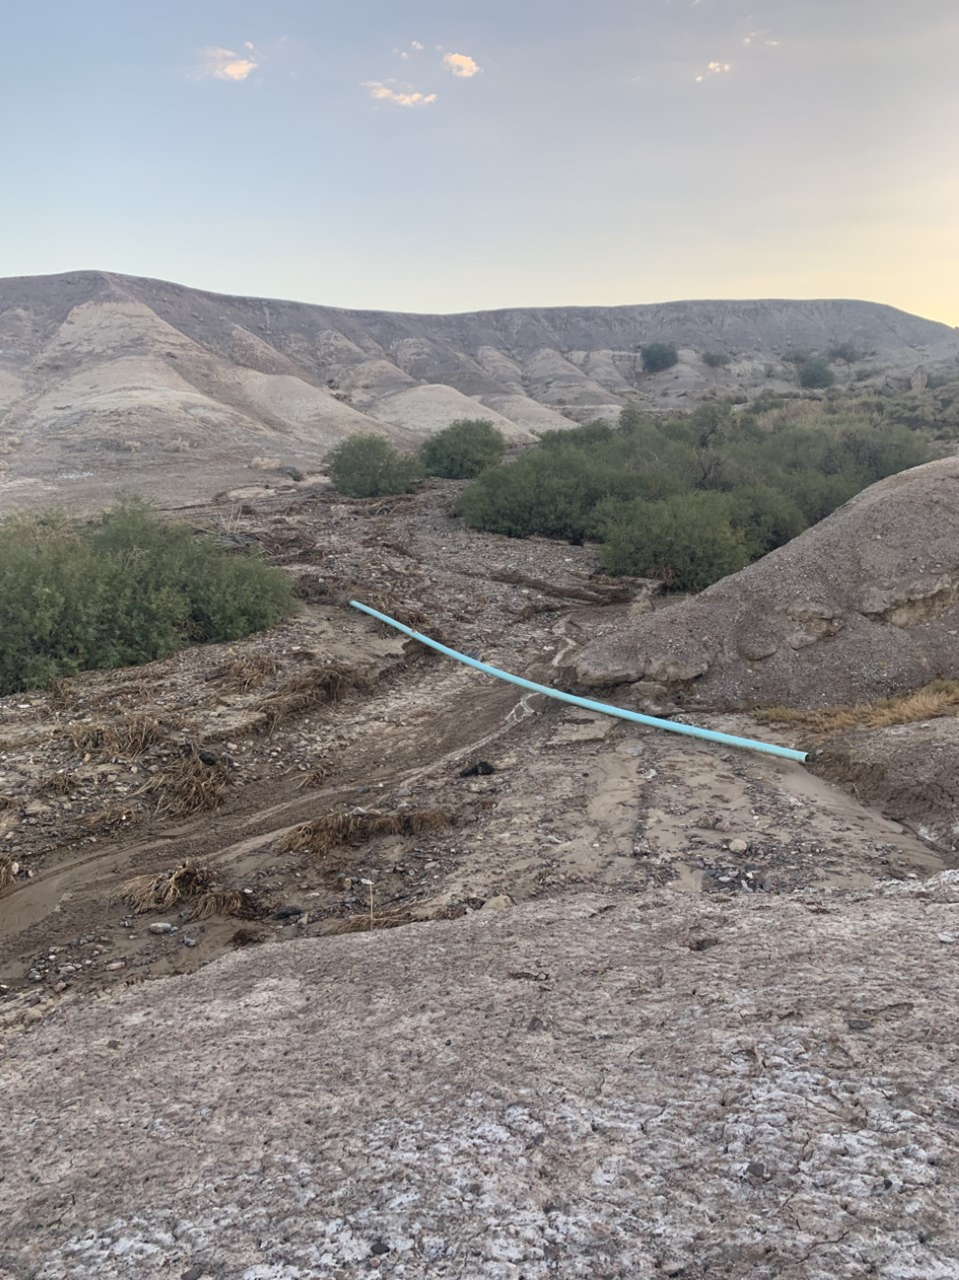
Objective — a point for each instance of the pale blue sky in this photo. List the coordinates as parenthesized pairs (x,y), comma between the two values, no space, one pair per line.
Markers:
(538,152)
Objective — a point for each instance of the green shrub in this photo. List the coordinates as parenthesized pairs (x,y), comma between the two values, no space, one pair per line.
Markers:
(551,492)
(744,482)
(128,590)
(815,373)
(367,466)
(466,448)
(688,541)
(715,359)
(659,356)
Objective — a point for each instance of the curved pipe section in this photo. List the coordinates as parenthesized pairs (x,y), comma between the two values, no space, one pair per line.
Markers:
(652,722)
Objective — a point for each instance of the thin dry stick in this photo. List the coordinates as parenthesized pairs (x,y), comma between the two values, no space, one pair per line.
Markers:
(370,884)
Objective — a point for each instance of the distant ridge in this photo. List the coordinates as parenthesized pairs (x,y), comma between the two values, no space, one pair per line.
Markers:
(131,372)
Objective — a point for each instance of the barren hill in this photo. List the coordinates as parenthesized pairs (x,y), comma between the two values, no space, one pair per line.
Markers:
(861,606)
(111,382)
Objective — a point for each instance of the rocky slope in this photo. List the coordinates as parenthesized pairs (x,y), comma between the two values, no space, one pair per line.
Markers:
(112,382)
(861,606)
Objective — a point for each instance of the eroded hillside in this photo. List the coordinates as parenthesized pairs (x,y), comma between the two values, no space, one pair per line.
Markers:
(110,382)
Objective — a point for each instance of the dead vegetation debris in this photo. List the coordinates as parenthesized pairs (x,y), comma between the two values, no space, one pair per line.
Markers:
(339,591)
(307,690)
(188,785)
(168,889)
(936,699)
(245,673)
(7,871)
(333,829)
(129,736)
(60,783)
(392,918)
(189,883)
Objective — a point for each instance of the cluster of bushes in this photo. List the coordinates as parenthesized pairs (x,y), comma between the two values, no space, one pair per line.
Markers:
(127,589)
(689,499)
(367,466)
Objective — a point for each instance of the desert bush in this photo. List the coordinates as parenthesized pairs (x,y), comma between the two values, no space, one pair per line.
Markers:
(122,591)
(715,359)
(688,541)
(463,450)
(367,466)
(658,356)
(654,488)
(815,373)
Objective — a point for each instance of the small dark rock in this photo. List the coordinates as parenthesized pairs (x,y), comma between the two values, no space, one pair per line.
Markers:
(858,1024)
(535,1024)
(287,913)
(702,944)
(481,769)
(379,1247)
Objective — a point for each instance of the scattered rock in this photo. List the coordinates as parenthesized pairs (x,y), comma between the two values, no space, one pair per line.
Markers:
(482,769)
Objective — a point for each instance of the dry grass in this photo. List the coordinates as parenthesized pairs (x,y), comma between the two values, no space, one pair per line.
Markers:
(260,463)
(245,673)
(391,918)
(326,833)
(226,902)
(316,778)
(57,784)
(170,889)
(111,817)
(188,786)
(339,591)
(308,690)
(7,872)
(940,698)
(130,736)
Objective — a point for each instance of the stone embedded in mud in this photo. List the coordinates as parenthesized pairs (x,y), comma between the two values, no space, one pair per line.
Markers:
(502,902)
(738,846)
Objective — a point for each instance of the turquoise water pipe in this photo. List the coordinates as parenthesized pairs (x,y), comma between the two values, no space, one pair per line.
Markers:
(691,731)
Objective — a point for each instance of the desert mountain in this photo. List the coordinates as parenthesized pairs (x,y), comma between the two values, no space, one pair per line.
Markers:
(111,381)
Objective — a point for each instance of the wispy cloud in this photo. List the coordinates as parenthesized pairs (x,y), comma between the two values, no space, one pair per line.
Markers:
(417,45)
(461,65)
(714,69)
(759,38)
(224,64)
(400,95)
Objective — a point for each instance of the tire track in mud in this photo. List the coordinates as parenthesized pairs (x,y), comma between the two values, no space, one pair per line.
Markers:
(423,722)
